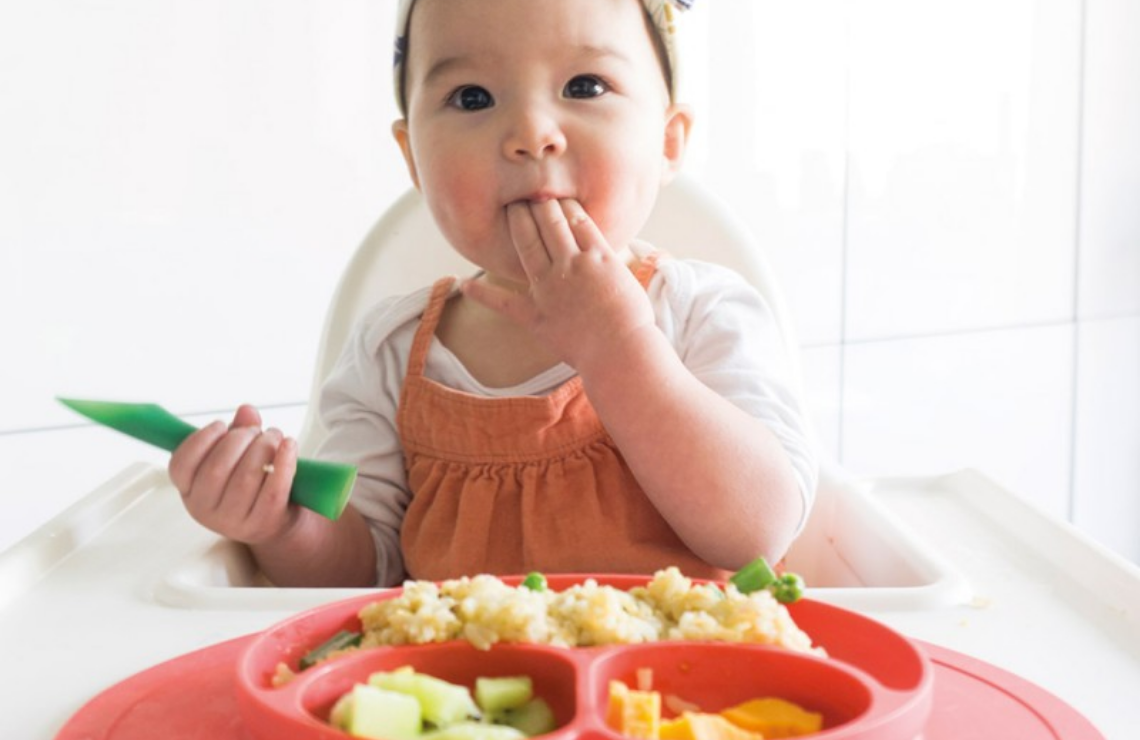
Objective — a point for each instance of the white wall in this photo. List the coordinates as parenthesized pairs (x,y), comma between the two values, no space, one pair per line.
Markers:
(948,191)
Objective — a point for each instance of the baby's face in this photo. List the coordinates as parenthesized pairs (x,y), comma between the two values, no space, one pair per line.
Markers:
(514,100)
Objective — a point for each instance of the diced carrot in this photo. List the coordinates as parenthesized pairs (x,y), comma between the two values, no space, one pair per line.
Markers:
(634,714)
(774,718)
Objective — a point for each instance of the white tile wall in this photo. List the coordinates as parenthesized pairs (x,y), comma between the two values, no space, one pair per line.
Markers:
(963,145)
(783,152)
(182,184)
(947,191)
(1107,459)
(1110,186)
(999,401)
(823,382)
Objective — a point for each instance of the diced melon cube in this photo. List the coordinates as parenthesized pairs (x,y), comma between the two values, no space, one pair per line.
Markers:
(341,713)
(505,692)
(443,703)
(533,718)
(474,731)
(378,714)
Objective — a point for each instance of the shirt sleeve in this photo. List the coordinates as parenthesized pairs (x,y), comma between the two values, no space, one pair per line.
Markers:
(358,408)
(729,338)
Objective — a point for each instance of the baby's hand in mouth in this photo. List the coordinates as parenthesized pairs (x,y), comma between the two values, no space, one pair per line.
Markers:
(582,299)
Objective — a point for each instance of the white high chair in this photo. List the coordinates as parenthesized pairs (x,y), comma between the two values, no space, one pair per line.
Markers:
(849,541)
(405,251)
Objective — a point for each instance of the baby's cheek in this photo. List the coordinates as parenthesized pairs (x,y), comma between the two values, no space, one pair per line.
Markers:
(618,215)
(622,194)
(460,203)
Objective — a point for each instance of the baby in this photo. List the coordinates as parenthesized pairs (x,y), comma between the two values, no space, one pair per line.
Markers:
(582,404)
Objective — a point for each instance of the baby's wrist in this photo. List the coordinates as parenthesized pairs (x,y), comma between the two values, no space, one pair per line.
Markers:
(638,354)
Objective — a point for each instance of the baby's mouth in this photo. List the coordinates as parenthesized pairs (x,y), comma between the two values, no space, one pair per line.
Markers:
(539,196)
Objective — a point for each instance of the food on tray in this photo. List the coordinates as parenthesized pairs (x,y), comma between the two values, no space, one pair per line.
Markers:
(484,610)
(535,581)
(787,588)
(338,643)
(774,717)
(406,705)
(636,713)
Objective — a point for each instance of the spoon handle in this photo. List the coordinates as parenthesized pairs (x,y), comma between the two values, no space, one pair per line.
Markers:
(321,486)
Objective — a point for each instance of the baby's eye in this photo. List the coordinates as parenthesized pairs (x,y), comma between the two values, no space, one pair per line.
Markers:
(585,86)
(471,98)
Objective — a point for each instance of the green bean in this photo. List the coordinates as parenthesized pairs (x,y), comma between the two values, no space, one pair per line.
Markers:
(342,640)
(757,575)
(753,577)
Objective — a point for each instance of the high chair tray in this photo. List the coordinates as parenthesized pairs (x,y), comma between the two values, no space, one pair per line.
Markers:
(194,696)
(80,598)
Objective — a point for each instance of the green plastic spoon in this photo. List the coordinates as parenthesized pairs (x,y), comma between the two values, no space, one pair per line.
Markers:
(321,486)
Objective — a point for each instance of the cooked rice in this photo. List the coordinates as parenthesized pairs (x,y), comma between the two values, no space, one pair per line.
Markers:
(484,610)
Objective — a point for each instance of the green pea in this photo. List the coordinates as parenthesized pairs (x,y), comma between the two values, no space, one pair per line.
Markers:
(789,589)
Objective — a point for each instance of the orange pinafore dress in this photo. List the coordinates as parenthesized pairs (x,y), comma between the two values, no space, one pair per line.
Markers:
(519,484)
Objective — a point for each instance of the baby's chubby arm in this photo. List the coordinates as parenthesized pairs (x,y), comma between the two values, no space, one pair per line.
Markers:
(235,481)
(718,475)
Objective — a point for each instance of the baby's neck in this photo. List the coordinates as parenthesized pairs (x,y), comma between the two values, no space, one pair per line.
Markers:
(496,351)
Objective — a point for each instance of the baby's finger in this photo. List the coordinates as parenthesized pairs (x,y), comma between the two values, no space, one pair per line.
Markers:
(188,457)
(246,416)
(586,233)
(252,471)
(554,230)
(214,475)
(279,473)
(528,243)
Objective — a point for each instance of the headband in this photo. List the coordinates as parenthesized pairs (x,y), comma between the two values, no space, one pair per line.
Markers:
(660,12)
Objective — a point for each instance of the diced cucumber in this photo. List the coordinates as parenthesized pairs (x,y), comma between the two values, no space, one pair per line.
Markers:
(379,714)
(533,718)
(474,731)
(506,692)
(443,703)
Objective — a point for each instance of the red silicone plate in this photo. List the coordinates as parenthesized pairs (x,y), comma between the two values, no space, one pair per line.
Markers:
(875,684)
(193,697)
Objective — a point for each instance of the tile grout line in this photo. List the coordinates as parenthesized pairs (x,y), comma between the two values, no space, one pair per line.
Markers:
(187,414)
(843,246)
(1074,400)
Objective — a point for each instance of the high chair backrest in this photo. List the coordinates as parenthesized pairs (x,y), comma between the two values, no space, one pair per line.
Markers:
(405,251)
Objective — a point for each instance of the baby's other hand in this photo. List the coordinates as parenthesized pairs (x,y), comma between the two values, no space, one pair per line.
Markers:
(235,480)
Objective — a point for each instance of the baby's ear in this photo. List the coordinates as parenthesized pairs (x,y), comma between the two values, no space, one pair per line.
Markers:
(403,138)
(678,123)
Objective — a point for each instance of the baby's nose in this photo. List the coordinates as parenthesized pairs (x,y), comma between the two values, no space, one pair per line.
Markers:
(534,134)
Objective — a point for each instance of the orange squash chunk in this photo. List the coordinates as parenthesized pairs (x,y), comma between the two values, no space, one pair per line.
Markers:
(774,718)
(700,726)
